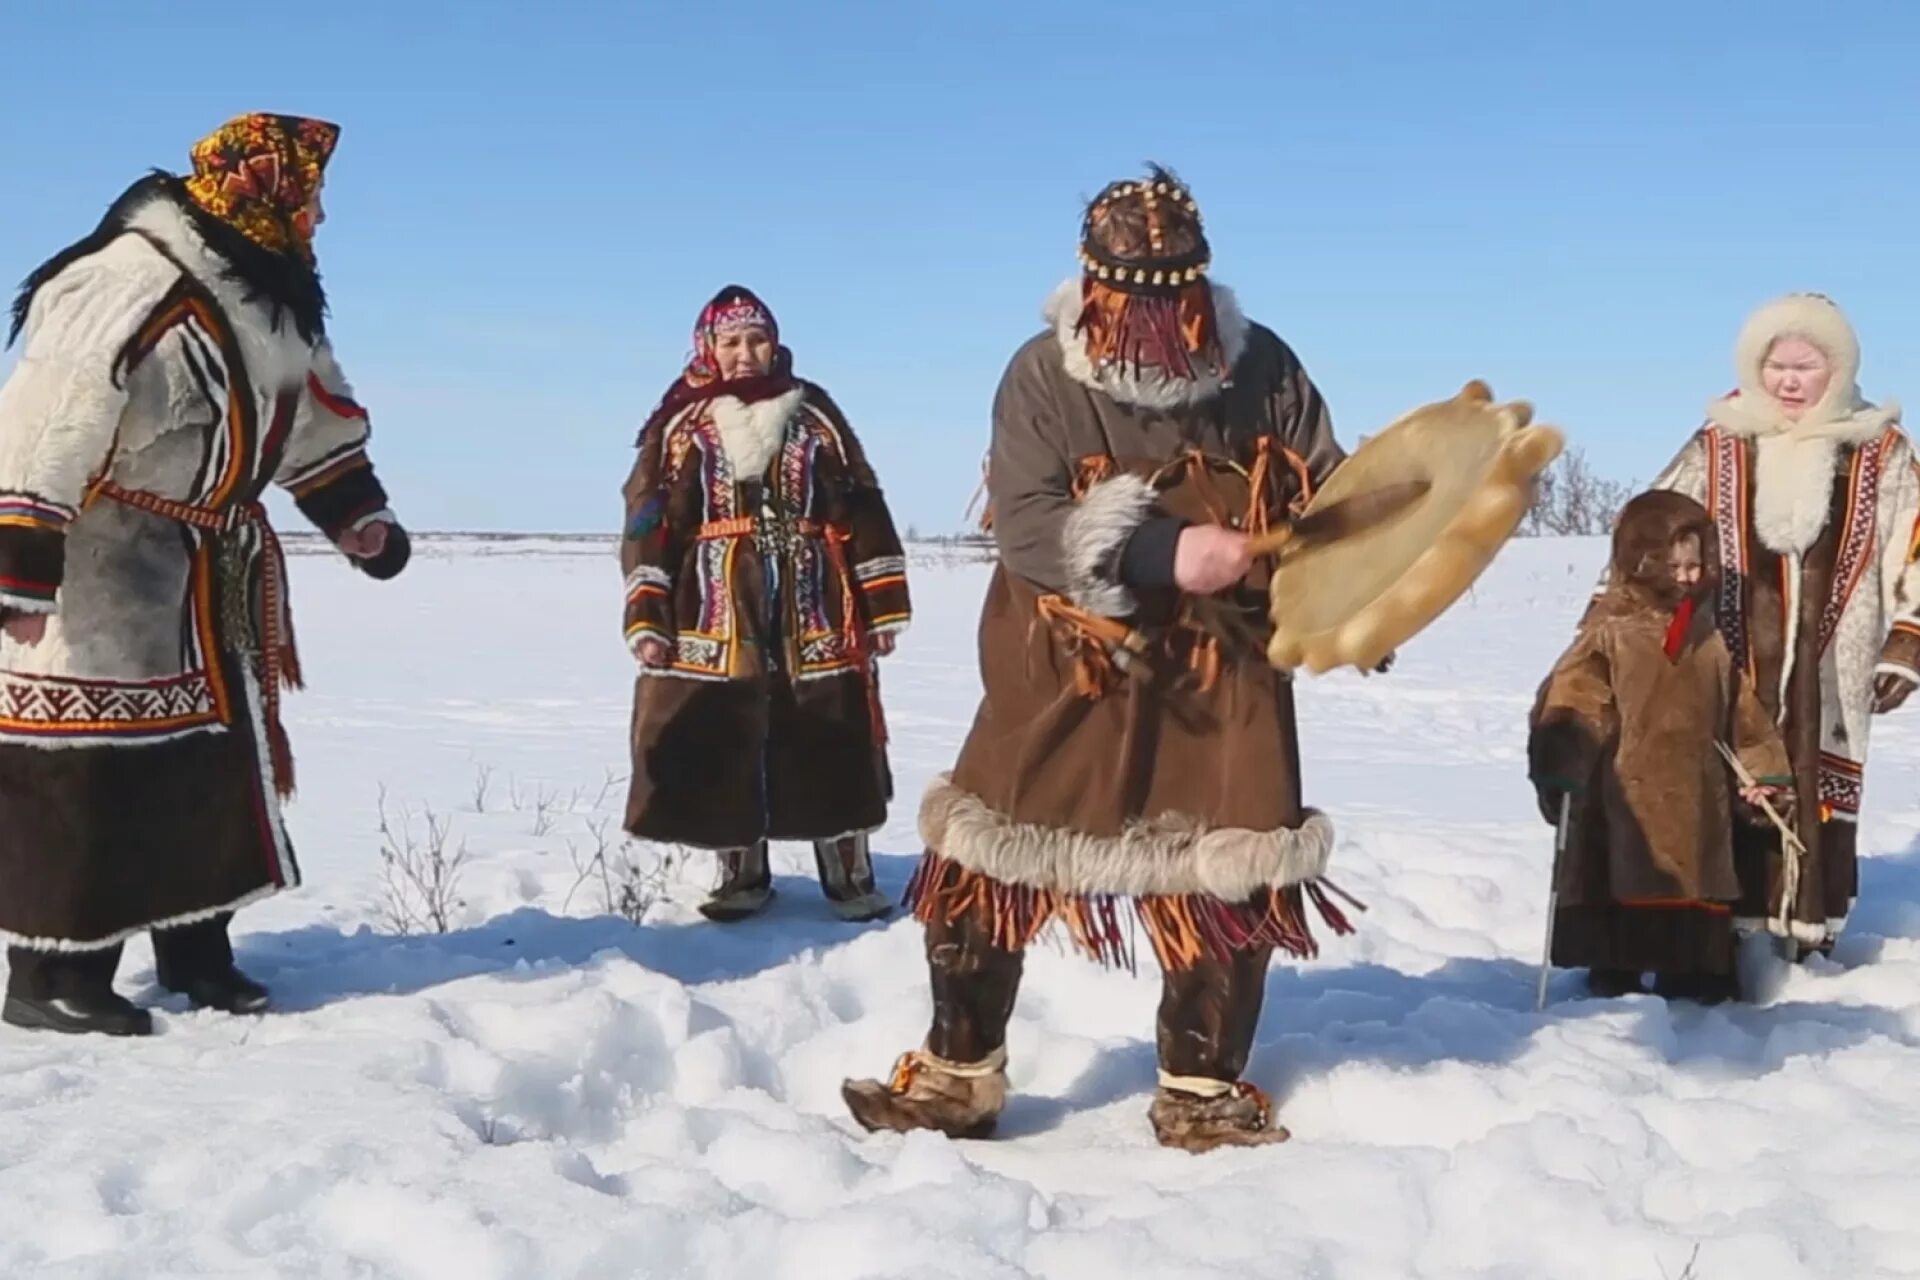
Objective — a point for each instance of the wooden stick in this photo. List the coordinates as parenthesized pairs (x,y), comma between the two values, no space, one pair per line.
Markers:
(1791,845)
(1266,544)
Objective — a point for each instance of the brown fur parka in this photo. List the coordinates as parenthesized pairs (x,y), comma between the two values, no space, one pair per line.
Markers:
(1627,724)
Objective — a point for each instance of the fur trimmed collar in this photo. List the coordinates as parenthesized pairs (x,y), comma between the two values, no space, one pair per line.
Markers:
(1758,416)
(752,434)
(240,273)
(1153,391)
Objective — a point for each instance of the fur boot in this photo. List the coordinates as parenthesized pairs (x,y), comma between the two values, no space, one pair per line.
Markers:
(746,885)
(1238,1115)
(846,877)
(961,1100)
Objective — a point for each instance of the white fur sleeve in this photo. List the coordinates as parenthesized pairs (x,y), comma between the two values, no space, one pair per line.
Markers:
(326,466)
(1899,510)
(329,427)
(61,408)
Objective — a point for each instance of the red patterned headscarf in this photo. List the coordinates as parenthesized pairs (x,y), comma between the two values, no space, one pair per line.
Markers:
(258,174)
(733,308)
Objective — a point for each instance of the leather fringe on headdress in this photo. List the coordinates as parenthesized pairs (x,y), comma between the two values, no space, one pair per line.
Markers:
(1170,332)
(1145,304)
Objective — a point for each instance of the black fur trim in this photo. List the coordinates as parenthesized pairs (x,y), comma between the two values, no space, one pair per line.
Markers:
(392,558)
(33,561)
(334,507)
(286,283)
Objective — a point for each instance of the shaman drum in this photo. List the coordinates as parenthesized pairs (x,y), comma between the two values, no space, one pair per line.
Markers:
(1458,477)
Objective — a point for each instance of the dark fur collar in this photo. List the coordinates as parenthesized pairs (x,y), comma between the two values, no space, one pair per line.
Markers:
(285,285)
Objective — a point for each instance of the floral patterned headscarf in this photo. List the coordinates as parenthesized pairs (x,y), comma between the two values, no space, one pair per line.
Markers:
(258,173)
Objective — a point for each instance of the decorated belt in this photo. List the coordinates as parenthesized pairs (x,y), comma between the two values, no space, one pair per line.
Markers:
(279,661)
(747,526)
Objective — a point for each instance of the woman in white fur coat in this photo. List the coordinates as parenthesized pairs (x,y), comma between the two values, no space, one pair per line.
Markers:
(764,577)
(1815,494)
(175,365)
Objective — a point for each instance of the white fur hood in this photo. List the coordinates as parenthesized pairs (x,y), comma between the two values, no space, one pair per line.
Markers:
(1155,390)
(1842,416)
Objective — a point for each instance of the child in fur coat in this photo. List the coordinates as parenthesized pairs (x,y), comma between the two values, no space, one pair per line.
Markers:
(1625,728)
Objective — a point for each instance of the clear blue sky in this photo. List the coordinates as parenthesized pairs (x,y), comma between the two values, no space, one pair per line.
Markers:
(1578,202)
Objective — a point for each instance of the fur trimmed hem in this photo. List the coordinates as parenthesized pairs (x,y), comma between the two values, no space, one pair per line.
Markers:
(1062,311)
(1169,856)
(1811,933)
(1182,929)
(122,741)
(27,604)
(692,847)
(69,946)
(1094,536)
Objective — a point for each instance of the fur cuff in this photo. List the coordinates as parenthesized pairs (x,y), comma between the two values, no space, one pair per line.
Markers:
(1167,856)
(1093,538)
(14,602)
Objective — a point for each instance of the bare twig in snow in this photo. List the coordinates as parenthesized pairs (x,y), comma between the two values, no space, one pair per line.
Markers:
(420,877)
(1571,499)
(482,782)
(629,882)
(613,779)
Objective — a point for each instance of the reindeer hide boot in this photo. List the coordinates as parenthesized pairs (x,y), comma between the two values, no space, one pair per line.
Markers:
(846,877)
(745,888)
(1196,1114)
(959,1099)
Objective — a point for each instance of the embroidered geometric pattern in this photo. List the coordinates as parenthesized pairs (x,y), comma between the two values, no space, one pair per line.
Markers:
(824,654)
(1840,784)
(1857,537)
(699,655)
(1727,503)
(52,705)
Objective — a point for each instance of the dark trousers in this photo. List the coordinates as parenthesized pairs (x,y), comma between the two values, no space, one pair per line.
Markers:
(180,955)
(1208,1013)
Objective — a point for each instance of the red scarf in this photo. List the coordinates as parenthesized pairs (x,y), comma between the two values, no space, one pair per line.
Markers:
(1677,629)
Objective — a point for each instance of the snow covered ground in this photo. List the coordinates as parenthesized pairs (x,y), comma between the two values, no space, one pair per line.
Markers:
(547,1091)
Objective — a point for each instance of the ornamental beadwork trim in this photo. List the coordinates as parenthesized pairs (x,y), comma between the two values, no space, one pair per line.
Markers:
(880,567)
(1841,786)
(644,578)
(59,707)
(1727,504)
(26,510)
(1858,537)
(327,470)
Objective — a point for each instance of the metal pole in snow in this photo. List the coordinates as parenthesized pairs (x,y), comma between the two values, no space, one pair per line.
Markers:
(1553,897)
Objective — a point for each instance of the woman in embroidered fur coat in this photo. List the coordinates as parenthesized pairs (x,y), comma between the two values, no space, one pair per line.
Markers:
(1134,752)
(764,577)
(1814,494)
(175,365)
(1626,726)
